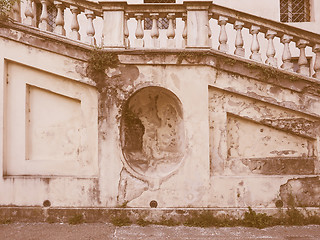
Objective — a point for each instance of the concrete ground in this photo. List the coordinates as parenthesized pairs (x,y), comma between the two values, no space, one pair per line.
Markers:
(97,231)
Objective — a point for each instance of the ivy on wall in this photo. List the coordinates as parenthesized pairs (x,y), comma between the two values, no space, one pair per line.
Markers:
(99,61)
(5,9)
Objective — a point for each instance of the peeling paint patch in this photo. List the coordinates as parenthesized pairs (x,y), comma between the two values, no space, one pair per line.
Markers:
(299,126)
(280,165)
(130,187)
(301,192)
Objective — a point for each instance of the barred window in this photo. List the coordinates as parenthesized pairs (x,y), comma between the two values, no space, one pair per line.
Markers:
(163,23)
(295,10)
(52,14)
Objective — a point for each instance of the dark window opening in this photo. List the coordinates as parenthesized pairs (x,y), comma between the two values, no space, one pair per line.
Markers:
(295,10)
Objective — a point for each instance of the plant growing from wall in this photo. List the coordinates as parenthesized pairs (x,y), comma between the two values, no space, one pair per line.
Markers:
(5,9)
(99,61)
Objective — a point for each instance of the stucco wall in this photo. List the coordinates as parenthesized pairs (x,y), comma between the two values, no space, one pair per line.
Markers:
(205,131)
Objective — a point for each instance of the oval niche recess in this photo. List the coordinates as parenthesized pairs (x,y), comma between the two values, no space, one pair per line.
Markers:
(152,133)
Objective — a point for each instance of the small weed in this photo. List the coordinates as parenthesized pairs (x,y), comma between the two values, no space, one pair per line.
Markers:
(167,222)
(313,219)
(76,219)
(204,219)
(142,222)
(51,219)
(258,220)
(121,220)
(6,221)
(207,219)
(295,217)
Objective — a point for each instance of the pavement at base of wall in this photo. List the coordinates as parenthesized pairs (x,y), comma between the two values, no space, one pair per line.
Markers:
(105,231)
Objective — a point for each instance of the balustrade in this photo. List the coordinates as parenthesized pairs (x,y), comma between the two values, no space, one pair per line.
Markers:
(240,51)
(74,23)
(155,30)
(255,46)
(90,30)
(286,55)
(303,61)
(44,18)
(179,26)
(271,51)
(139,31)
(16,11)
(223,37)
(28,13)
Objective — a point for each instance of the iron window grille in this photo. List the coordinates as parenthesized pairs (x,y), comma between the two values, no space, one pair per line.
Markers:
(163,23)
(52,14)
(295,10)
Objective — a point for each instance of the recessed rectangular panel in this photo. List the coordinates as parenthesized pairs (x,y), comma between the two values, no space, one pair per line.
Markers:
(248,139)
(53,125)
(50,124)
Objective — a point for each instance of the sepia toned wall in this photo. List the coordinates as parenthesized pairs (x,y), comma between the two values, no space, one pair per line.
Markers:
(202,131)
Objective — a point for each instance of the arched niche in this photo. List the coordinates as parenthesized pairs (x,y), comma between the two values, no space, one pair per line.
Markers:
(152,133)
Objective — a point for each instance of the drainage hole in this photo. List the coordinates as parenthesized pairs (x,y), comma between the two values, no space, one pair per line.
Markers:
(153,204)
(46,203)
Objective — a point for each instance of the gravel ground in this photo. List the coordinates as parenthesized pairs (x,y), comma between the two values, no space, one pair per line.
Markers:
(97,231)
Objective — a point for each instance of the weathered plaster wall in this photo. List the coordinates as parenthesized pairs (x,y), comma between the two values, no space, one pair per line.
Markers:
(48,128)
(159,129)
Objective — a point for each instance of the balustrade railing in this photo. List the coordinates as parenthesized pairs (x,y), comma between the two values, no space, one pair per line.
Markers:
(55,16)
(287,35)
(193,24)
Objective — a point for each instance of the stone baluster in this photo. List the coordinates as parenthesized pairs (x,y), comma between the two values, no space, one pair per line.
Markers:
(75,35)
(16,11)
(185,30)
(316,50)
(223,37)
(28,13)
(171,32)
(303,61)
(271,51)
(240,51)
(90,28)
(139,42)
(155,30)
(286,55)
(255,46)
(126,31)
(44,18)
(59,29)
(209,30)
